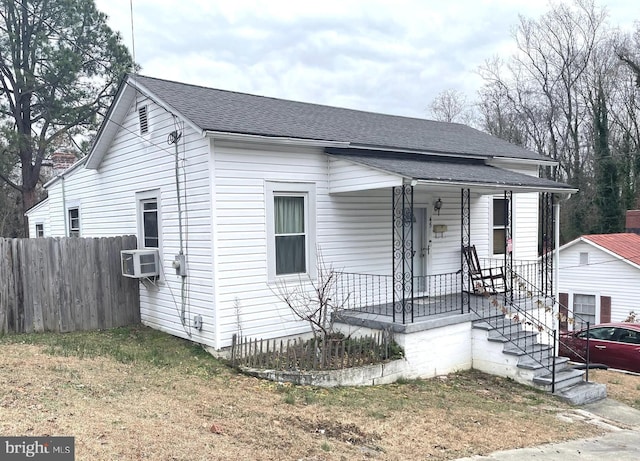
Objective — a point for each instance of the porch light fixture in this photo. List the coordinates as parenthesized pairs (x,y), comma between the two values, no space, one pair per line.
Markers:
(438,205)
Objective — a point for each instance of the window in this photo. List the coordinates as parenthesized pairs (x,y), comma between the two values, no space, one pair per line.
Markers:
(601,334)
(500,209)
(584,259)
(150,223)
(143,118)
(628,336)
(584,310)
(290,229)
(39,230)
(148,219)
(290,234)
(74,221)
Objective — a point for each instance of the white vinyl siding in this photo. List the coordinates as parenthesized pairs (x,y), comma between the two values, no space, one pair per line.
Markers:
(353,232)
(39,215)
(347,176)
(109,208)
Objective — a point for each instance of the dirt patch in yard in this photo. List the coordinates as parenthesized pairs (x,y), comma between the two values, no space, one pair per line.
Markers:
(166,404)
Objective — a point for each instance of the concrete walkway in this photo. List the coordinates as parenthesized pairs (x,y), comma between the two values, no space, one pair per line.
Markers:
(620,443)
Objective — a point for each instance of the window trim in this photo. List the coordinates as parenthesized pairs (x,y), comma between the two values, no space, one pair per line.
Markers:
(73,231)
(39,229)
(493,227)
(141,198)
(583,258)
(308,191)
(571,306)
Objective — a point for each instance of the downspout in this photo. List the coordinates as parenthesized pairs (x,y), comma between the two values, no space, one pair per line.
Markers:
(64,208)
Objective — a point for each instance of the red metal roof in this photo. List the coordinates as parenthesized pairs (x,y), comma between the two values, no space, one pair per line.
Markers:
(626,246)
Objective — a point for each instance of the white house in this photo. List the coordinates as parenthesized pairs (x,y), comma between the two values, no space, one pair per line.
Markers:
(599,276)
(246,190)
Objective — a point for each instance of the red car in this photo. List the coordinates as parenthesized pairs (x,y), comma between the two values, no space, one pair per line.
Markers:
(616,345)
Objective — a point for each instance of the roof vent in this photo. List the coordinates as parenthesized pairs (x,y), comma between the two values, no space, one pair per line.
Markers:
(144,119)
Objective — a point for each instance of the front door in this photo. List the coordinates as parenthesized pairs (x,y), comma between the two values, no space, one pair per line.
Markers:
(421,250)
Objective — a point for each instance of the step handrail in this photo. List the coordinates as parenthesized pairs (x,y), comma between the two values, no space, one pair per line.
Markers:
(569,318)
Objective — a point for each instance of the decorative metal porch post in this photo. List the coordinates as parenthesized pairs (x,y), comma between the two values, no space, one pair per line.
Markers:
(508,234)
(403,217)
(465,241)
(548,242)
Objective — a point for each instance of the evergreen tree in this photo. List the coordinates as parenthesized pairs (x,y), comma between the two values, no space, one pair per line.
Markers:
(60,66)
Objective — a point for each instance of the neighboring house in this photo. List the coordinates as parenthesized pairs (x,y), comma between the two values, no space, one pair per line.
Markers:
(245,191)
(58,163)
(599,276)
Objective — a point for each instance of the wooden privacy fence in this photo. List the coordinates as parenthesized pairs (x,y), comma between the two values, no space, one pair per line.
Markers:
(329,354)
(65,284)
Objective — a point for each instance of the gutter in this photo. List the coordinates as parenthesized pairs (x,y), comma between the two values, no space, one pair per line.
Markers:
(227,136)
(496,186)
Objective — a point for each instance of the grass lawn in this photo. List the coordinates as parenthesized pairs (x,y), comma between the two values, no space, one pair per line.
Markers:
(137,394)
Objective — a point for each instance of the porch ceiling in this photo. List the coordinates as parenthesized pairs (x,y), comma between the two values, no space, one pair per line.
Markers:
(449,172)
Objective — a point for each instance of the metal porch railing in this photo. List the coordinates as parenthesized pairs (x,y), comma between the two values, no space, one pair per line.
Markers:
(538,315)
(373,294)
(524,315)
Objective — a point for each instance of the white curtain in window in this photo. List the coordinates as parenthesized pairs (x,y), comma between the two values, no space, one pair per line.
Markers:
(289,233)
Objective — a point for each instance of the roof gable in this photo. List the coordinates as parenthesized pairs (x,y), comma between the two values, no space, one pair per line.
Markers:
(624,246)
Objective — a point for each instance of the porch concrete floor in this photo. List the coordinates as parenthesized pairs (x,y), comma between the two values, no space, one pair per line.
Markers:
(428,312)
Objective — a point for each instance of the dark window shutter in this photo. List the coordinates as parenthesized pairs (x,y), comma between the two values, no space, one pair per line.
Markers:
(605,309)
(563,311)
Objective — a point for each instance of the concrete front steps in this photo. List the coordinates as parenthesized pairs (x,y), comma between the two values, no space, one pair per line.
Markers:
(504,348)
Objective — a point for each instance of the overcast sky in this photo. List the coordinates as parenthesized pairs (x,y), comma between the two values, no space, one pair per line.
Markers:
(384,56)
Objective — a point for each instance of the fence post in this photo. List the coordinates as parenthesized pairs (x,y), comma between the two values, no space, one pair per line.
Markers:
(233,349)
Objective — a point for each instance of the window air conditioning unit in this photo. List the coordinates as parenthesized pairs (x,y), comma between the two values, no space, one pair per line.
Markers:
(140,263)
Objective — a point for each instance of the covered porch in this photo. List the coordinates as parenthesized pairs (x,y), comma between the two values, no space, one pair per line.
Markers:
(441,206)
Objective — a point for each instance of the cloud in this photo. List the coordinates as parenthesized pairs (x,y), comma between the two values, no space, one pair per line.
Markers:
(375,55)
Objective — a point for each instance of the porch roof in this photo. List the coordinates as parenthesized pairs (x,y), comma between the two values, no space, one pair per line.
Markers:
(449,171)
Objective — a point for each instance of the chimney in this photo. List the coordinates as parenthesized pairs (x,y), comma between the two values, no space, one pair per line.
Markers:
(61,161)
(633,221)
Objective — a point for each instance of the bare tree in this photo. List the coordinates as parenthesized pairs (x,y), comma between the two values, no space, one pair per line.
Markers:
(450,106)
(635,68)
(315,300)
(564,94)
(60,65)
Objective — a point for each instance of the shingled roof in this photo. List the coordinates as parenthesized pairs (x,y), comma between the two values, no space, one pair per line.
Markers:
(447,170)
(232,112)
(625,245)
